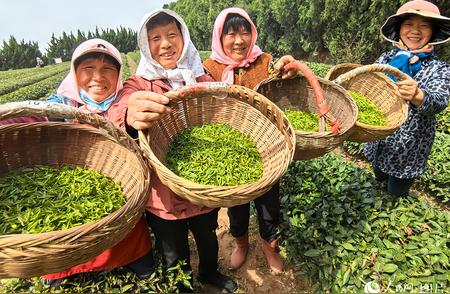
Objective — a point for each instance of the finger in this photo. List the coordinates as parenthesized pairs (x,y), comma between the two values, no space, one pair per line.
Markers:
(151,106)
(141,125)
(151,96)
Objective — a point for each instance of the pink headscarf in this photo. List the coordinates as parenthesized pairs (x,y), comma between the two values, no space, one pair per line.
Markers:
(217,50)
(69,87)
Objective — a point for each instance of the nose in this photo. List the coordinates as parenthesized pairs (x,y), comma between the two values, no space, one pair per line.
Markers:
(165,43)
(238,39)
(97,75)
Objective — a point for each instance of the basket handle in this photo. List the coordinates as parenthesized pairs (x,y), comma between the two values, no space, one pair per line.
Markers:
(58,110)
(386,68)
(324,109)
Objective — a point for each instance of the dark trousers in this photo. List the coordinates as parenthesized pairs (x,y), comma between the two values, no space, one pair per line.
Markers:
(172,240)
(395,186)
(267,211)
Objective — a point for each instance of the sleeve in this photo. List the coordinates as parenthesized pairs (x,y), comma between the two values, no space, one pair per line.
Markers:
(436,87)
(118,111)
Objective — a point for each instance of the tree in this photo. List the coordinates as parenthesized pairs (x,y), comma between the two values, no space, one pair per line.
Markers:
(14,55)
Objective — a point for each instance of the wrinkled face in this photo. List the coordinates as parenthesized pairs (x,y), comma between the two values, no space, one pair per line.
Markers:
(98,77)
(236,44)
(166,44)
(415,31)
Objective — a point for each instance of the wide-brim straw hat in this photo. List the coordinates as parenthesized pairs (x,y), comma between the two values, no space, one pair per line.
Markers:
(441,24)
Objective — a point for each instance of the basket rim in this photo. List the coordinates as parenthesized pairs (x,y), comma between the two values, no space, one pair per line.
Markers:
(233,90)
(329,83)
(102,221)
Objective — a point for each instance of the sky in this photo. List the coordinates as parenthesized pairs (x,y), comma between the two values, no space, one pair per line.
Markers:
(36,20)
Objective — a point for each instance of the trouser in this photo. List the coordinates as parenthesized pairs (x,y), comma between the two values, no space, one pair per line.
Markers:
(172,240)
(395,186)
(267,211)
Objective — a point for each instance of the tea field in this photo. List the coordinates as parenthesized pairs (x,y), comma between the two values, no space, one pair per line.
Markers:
(339,229)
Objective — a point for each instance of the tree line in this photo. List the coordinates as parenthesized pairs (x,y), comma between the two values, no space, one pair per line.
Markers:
(14,54)
(318,30)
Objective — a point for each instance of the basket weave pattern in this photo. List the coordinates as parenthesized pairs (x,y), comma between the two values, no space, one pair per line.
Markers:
(296,93)
(100,147)
(242,109)
(370,82)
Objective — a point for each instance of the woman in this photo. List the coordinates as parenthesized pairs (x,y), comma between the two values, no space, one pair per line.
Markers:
(414,31)
(93,82)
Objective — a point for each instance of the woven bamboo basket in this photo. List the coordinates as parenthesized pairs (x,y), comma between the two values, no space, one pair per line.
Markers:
(239,107)
(311,94)
(97,145)
(370,82)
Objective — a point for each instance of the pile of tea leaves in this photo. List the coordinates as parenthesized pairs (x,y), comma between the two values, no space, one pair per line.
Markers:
(303,121)
(215,154)
(368,112)
(43,199)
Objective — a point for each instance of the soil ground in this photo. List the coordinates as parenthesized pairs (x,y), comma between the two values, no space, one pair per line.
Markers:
(254,276)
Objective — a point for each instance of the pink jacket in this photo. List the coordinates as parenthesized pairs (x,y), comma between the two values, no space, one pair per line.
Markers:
(162,202)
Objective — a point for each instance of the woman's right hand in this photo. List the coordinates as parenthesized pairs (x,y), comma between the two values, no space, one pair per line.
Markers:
(144,107)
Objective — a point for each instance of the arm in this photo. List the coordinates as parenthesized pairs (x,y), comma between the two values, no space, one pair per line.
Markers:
(430,95)
(138,106)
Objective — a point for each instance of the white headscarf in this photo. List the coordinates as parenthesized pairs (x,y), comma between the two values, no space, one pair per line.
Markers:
(189,66)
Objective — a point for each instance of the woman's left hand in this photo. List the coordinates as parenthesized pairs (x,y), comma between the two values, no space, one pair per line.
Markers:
(409,90)
(279,65)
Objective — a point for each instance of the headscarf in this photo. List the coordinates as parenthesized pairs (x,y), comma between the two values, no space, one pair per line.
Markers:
(219,55)
(69,88)
(441,24)
(409,61)
(189,66)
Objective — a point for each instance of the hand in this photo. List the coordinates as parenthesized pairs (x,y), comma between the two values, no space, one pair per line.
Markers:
(409,90)
(279,65)
(144,107)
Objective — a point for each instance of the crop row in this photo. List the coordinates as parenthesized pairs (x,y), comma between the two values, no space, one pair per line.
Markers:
(18,82)
(34,91)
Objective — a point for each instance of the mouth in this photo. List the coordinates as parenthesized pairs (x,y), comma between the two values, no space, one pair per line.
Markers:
(97,88)
(167,55)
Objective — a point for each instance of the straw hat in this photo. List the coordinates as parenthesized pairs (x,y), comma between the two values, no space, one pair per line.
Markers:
(441,24)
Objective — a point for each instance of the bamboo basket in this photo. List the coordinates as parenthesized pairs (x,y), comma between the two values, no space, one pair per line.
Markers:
(239,107)
(311,94)
(370,82)
(97,145)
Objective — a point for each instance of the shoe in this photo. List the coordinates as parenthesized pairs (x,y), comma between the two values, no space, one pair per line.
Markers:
(143,267)
(239,254)
(219,280)
(55,283)
(271,250)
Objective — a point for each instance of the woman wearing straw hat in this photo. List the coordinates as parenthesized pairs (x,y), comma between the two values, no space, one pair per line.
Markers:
(414,31)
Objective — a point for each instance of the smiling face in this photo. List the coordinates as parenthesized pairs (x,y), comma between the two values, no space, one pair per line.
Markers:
(98,77)
(236,44)
(415,31)
(166,44)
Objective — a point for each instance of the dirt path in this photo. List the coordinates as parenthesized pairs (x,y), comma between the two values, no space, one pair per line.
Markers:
(254,276)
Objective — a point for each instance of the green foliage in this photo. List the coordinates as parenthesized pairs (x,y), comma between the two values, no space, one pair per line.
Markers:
(204,55)
(135,55)
(353,148)
(34,91)
(368,112)
(319,69)
(35,200)
(15,55)
(437,177)
(125,68)
(341,229)
(115,281)
(303,121)
(124,39)
(215,154)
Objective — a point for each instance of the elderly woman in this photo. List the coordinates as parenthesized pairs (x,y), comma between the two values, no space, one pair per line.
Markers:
(414,31)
